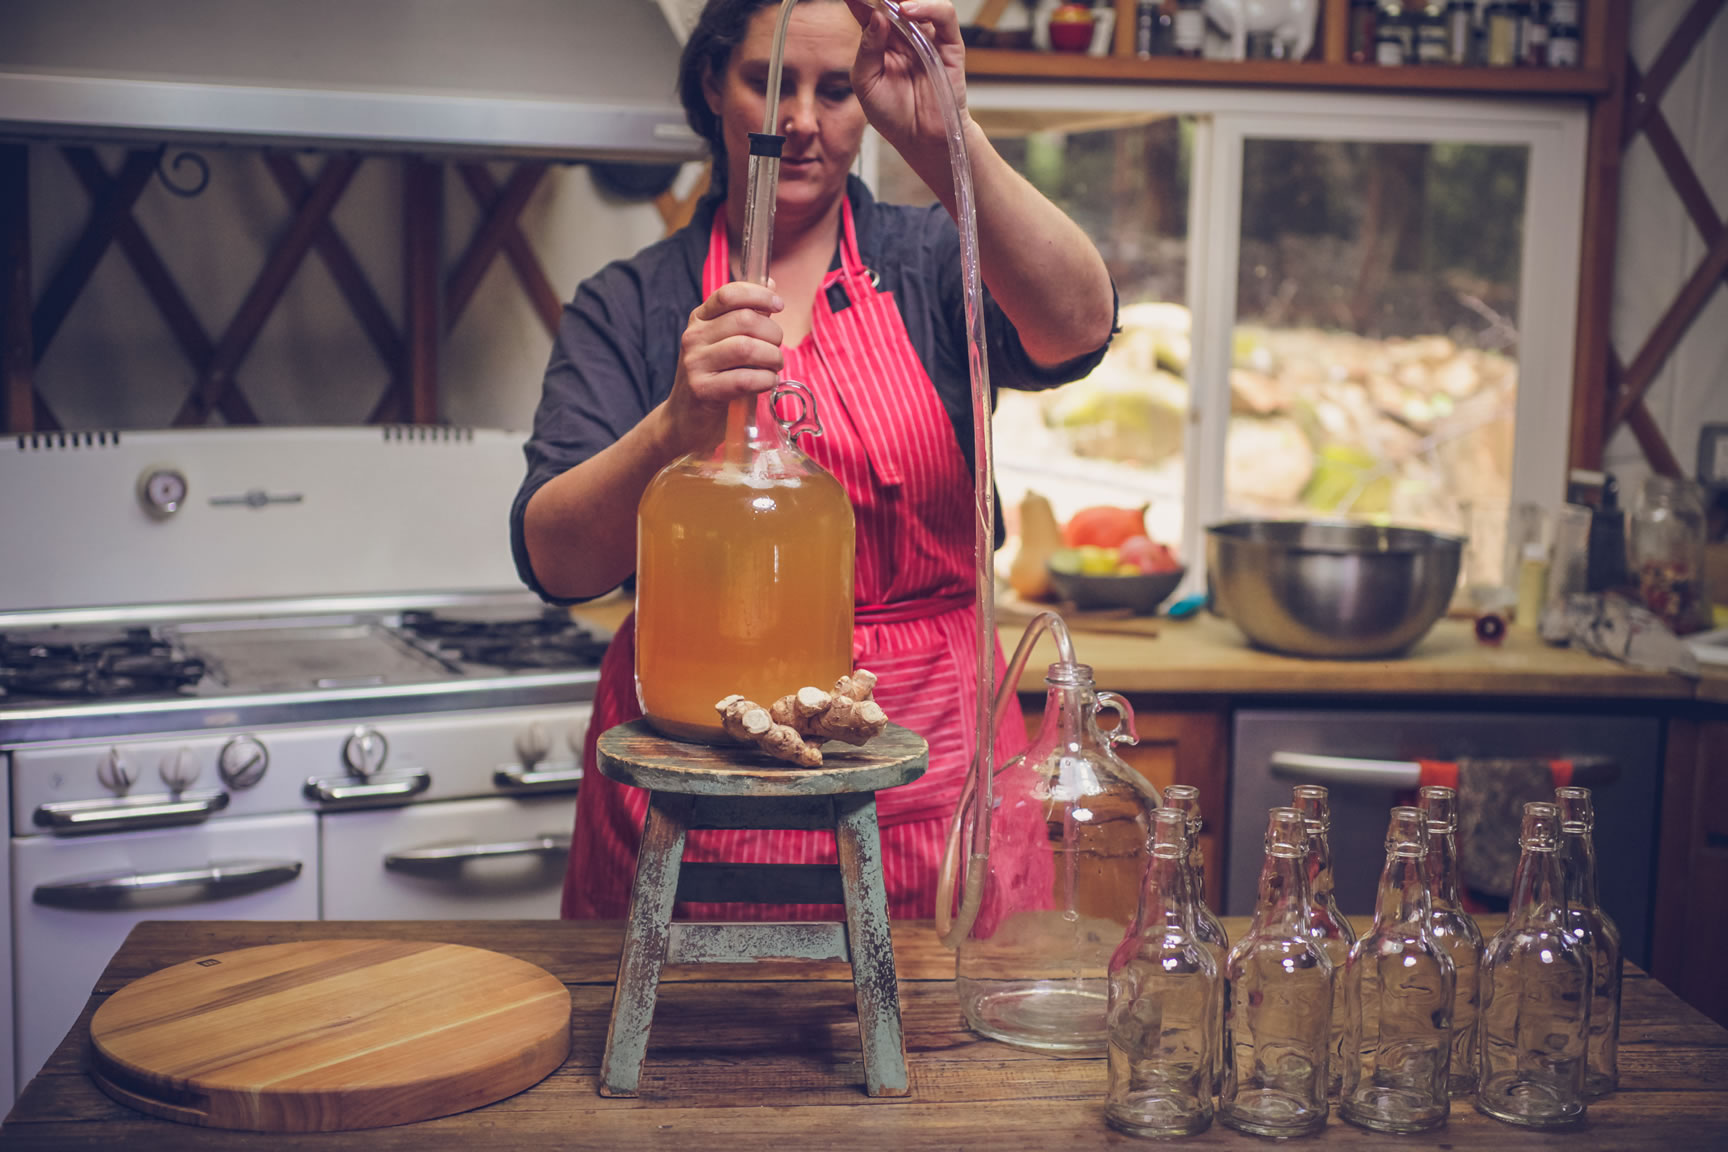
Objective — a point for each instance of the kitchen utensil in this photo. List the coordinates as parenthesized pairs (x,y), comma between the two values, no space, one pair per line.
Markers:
(1330,588)
(327,1035)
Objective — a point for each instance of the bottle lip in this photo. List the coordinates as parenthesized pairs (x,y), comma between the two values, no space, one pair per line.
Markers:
(1069,674)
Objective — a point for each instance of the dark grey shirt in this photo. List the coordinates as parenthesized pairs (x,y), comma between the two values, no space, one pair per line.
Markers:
(617,348)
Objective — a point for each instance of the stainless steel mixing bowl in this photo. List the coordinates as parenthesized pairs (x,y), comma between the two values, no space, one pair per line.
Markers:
(1330,588)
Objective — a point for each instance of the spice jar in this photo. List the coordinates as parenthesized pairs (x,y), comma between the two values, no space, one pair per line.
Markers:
(1666,550)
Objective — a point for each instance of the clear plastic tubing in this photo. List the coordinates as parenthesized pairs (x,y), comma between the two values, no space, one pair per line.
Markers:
(764,175)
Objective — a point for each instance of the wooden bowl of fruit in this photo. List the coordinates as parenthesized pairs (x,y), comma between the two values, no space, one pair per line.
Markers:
(1136,576)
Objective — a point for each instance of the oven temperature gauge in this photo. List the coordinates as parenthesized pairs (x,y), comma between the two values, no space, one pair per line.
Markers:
(242,762)
(162,491)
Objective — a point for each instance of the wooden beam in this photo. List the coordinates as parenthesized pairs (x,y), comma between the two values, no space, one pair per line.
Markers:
(422,226)
(216,386)
(1588,433)
(505,234)
(107,210)
(17,364)
(1646,98)
(1693,195)
(499,213)
(1660,344)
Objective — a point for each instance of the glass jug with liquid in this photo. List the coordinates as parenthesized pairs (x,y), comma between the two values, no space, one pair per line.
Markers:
(744,565)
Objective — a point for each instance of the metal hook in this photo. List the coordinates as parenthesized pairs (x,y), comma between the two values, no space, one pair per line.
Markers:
(186,156)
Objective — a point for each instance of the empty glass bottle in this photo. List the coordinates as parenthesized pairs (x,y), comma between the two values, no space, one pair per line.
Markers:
(1067,860)
(1325,922)
(1593,929)
(1535,993)
(1397,987)
(1277,1000)
(1164,1000)
(1456,931)
(1185,798)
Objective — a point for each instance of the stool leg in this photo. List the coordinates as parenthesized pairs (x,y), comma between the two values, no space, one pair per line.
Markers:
(645,937)
(873,978)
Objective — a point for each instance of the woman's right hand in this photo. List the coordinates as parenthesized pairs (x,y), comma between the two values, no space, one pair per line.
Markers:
(731,348)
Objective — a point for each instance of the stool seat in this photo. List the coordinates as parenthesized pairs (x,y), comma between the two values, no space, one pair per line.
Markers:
(694,786)
(634,753)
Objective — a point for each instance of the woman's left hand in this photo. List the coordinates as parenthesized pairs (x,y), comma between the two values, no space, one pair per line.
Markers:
(891,81)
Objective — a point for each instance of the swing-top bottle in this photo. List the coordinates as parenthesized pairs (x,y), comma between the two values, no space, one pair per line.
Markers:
(1208,929)
(1592,927)
(1397,987)
(1277,1000)
(1456,931)
(1328,925)
(1535,993)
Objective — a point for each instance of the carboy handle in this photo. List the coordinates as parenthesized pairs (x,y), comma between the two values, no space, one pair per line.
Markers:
(806,419)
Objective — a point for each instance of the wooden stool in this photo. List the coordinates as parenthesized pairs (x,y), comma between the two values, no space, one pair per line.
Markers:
(695,786)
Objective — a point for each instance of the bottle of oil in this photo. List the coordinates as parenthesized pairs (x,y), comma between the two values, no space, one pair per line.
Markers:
(744,568)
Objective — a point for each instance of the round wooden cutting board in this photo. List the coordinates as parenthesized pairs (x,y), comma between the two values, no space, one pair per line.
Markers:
(325,1035)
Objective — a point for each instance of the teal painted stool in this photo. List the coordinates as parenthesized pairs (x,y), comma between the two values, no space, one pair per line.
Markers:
(695,786)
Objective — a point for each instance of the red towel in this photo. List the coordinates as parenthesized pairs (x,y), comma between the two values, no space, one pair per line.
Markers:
(1492,793)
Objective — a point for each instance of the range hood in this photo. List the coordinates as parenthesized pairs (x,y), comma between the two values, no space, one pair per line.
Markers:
(571,79)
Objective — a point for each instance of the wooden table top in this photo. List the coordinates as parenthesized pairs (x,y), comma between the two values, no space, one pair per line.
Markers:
(750,1057)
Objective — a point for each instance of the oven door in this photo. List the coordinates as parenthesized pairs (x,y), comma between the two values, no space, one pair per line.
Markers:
(1366,759)
(74,899)
(493,858)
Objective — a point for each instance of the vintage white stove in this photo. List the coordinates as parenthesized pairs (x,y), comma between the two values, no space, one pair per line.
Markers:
(269,674)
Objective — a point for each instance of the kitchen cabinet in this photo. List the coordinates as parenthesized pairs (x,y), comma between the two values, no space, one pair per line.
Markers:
(1691,913)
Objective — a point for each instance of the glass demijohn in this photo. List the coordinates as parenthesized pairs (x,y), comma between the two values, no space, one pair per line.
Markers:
(1536,984)
(1328,925)
(1164,1000)
(1185,798)
(1067,857)
(1277,1000)
(1456,932)
(1594,930)
(1397,987)
(744,568)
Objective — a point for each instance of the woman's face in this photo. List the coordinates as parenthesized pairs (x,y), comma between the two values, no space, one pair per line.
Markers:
(818,114)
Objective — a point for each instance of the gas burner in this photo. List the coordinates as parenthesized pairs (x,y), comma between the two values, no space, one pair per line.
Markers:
(133,663)
(550,640)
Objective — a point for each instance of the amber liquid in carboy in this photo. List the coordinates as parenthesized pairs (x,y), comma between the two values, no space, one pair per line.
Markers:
(744,585)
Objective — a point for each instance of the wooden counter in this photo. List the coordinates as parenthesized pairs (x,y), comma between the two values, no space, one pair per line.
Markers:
(1208,656)
(752,1057)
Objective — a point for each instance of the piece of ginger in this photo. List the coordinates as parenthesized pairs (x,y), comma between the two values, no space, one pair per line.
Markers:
(847,714)
(749,722)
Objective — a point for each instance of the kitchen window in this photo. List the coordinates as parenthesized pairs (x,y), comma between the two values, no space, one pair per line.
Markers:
(1339,306)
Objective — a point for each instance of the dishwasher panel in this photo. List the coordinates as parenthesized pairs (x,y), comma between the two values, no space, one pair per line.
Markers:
(1619,758)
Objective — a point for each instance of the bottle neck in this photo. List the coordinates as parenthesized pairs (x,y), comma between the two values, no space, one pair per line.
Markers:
(1166,899)
(1442,868)
(1068,700)
(1402,897)
(1579,870)
(1319,865)
(1536,886)
(1284,894)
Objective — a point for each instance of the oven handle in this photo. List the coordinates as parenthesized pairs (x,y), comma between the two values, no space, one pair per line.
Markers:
(529,780)
(345,790)
(197,884)
(1350,772)
(441,857)
(130,813)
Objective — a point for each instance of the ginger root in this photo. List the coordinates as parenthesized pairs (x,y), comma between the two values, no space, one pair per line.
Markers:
(751,723)
(794,725)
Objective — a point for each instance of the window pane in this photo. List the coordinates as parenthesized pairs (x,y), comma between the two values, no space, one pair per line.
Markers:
(1375,367)
(1116,436)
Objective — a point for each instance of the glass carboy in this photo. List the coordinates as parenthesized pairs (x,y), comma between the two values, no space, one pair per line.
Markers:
(1068,837)
(744,565)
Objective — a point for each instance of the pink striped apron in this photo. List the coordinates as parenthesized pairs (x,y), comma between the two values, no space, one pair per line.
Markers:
(888,441)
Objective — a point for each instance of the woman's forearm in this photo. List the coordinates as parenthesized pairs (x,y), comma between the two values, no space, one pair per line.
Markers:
(1039,265)
(580,526)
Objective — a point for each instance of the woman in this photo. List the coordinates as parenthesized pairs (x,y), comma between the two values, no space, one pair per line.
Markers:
(866,308)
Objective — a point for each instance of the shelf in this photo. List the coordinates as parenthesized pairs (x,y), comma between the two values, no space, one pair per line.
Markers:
(1002,64)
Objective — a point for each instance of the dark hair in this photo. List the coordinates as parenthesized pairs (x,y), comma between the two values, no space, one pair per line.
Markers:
(719,30)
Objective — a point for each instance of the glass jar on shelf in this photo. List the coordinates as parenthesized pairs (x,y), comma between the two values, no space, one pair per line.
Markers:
(1666,548)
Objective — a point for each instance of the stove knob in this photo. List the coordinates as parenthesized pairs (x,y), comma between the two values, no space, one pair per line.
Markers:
(116,773)
(533,746)
(179,769)
(364,751)
(242,762)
